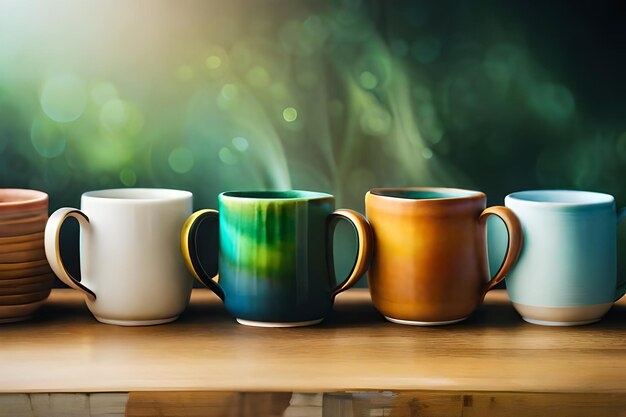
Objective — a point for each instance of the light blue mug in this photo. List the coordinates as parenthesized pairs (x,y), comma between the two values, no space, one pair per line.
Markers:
(566,274)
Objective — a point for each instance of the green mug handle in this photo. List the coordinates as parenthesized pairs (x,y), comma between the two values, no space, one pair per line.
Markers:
(365,239)
(621,286)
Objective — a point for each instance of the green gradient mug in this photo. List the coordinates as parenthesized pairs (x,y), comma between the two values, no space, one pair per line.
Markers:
(566,274)
(275,255)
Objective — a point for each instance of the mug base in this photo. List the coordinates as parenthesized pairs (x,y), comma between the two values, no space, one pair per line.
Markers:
(253,323)
(424,323)
(562,316)
(559,323)
(131,323)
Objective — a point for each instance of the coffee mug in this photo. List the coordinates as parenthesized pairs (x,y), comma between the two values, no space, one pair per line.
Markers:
(275,255)
(430,262)
(567,272)
(131,270)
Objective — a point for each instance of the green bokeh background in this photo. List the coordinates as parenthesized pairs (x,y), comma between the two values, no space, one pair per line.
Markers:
(333,96)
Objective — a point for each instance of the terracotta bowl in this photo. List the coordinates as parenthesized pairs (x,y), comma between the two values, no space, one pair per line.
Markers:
(24,269)
(41,216)
(22,212)
(10,240)
(35,279)
(5,217)
(23,227)
(13,313)
(15,200)
(23,265)
(22,246)
(17,299)
(23,256)
(26,288)
(25,276)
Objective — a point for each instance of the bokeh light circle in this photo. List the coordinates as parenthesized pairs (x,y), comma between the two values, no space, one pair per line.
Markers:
(227,156)
(376,121)
(552,101)
(290,114)
(229,91)
(63,98)
(114,115)
(216,62)
(368,80)
(47,138)
(240,143)
(373,71)
(128,177)
(181,160)
(213,62)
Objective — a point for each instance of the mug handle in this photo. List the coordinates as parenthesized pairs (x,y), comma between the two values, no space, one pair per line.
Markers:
(621,287)
(189,247)
(365,240)
(53,252)
(514,247)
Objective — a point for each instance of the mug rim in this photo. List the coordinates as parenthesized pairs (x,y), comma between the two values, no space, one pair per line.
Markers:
(568,199)
(455,194)
(135,195)
(258,195)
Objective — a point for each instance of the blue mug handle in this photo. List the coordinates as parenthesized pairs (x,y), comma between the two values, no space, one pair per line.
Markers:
(621,286)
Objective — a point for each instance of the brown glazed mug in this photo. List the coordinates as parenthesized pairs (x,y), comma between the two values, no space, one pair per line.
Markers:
(430,263)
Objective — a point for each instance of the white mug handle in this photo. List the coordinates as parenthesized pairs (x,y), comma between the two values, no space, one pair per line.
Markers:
(53,253)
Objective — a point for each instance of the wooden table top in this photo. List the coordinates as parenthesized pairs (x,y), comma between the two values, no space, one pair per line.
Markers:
(64,349)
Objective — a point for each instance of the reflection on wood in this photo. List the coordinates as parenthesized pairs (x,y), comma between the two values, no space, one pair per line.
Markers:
(207,404)
(539,405)
(348,404)
(450,404)
(305,405)
(63,405)
(407,404)
(338,405)
(192,404)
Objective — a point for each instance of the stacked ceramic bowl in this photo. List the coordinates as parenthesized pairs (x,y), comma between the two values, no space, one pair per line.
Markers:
(25,276)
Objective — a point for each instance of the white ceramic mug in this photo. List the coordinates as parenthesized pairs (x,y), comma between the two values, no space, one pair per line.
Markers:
(132,270)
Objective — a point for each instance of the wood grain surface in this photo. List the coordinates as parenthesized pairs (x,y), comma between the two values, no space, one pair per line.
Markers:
(63,349)
(334,404)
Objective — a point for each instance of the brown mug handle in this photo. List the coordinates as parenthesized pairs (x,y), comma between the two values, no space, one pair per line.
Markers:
(516,240)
